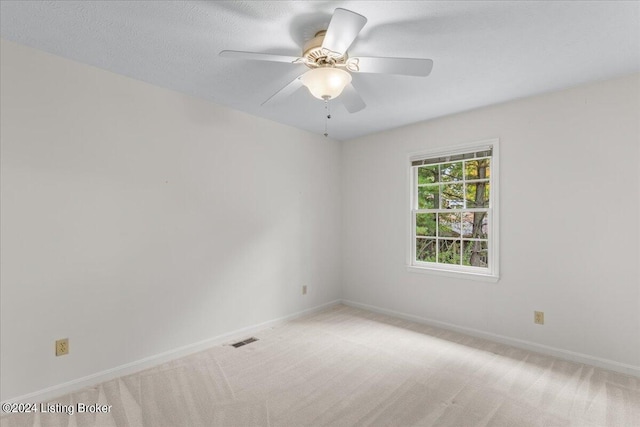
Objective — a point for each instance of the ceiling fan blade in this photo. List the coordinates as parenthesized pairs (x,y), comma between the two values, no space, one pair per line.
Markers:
(286,91)
(236,54)
(402,66)
(343,30)
(351,99)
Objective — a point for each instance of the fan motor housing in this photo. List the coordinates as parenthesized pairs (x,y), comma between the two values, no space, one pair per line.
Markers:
(315,54)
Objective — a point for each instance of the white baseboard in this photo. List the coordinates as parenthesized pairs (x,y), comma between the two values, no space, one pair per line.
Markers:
(151,361)
(157,359)
(515,342)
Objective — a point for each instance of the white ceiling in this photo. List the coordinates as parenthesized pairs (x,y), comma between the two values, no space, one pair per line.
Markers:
(483,52)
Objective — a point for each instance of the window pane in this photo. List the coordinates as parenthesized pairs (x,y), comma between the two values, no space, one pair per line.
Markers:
(475,225)
(451,172)
(452,196)
(426,250)
(428,174)
(448,189)
(477,169)
(449,224)
(478,195)
(475,253)
(449,251)
(426,224)
(428,197)
(467,224)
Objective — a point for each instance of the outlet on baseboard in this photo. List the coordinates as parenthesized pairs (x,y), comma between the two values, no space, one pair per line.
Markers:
(538,317)
(62,347)
(304,289)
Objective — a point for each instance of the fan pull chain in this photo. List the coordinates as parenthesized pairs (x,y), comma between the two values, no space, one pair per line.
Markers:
(327,117)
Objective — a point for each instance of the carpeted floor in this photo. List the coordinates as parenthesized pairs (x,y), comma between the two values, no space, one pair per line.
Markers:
(349,367)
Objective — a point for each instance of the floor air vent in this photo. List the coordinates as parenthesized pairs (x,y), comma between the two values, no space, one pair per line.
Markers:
(245,342)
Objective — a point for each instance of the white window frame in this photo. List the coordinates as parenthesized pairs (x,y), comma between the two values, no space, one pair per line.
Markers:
(489,274)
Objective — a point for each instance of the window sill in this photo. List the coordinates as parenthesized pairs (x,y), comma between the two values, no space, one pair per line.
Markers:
(454,274)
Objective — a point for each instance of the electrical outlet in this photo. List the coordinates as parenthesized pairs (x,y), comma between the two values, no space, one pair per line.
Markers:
(304,290)
(62,347)
(538,317)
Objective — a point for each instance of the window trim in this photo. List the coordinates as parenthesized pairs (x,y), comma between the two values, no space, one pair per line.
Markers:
(464,272)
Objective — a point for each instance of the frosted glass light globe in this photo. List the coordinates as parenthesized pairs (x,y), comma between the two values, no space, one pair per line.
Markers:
(326,82)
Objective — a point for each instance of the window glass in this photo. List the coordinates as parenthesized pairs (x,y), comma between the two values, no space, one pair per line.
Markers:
(452,211)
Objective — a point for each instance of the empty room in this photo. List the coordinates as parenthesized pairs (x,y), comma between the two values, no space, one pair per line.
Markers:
(320,213)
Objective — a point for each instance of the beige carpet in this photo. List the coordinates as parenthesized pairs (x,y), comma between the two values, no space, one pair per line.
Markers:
(349,367)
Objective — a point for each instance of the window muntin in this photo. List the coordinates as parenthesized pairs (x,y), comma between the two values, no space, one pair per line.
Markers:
(452,212)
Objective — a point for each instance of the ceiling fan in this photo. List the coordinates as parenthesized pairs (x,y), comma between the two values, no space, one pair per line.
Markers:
(330,66)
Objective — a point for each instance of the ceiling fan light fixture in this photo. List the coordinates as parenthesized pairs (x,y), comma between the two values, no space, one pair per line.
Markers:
(326,82)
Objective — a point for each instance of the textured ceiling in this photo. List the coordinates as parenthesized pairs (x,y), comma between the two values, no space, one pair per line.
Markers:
(483,52)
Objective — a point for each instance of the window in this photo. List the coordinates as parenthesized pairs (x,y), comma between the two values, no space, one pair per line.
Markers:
(454,210)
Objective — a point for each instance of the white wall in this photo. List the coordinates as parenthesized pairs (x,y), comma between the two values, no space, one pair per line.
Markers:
(136,220)
(569,222)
